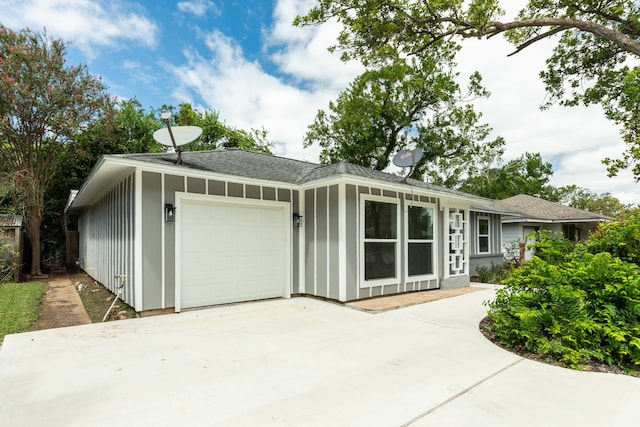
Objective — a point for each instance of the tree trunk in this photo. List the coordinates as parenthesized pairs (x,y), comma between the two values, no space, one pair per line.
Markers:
(34,221)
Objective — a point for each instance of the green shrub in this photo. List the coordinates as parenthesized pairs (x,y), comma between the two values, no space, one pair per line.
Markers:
(495,273)
(572,306)
(619,238)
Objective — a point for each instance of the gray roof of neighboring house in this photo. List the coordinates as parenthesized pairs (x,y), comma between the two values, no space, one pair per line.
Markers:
(533,208)
(10,221)
(263,166)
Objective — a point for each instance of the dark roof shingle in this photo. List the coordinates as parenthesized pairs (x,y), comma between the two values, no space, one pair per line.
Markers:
(263,166)
(535,208)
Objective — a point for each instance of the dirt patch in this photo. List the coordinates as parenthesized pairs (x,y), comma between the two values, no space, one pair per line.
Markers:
(378,304)
(60,305)
(486,327)
(97,299)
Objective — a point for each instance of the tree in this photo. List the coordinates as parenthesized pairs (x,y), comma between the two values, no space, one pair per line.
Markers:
(528,174)
(216,133)
(594,60)
(583,198)
(44,103)
(401,104)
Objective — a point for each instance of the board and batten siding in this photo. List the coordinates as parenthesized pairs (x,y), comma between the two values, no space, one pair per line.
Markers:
(158,248)
(106,246)
(404,200)
(322,254)
(495,255)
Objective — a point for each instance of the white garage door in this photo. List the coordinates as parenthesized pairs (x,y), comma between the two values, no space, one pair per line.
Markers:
(232,252)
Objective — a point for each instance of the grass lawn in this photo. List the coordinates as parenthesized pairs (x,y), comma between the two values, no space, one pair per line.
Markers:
(19,303)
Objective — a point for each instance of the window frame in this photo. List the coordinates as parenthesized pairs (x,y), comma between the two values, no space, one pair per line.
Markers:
(433,241)
(363,240)
(478,235)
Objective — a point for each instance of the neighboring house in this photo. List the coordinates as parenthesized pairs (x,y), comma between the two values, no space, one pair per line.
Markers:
(11,239)
(230,225)
(536,214)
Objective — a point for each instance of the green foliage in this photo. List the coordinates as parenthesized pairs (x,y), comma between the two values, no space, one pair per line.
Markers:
(407,103)
(215,133)
(495,273)
(585,199)
(571,306)
(19,303)
(7,257)
(619,238)
(44,103)
(528,174)
(594,60)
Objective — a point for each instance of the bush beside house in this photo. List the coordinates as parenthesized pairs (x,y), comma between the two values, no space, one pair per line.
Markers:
(576,303)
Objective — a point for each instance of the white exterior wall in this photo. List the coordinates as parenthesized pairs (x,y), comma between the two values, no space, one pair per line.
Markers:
(106,239)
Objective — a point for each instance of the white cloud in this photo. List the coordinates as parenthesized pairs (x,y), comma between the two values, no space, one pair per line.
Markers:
(248,96)
(88,24)
(198,7)
(574,139)
(302,51)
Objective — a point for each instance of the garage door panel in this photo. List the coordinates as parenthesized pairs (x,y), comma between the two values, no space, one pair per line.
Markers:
(232,253)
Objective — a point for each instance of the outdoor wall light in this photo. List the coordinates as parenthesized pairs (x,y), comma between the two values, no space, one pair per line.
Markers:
(297,220)
(169,213)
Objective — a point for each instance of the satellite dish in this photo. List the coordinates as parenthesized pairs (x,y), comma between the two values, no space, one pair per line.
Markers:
(181,134)
(176,136)
(407,159)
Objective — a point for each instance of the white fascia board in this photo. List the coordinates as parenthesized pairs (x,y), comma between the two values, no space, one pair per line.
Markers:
(401,188)
(103,177)
(111,169)
(526,220)
(550,221)
(571,221)
(198,173)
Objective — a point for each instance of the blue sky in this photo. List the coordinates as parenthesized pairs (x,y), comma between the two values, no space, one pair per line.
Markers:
(246,60)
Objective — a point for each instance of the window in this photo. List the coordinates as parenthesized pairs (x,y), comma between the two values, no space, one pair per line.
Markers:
(571,232)
(380,240)
(420,253)
(483,235)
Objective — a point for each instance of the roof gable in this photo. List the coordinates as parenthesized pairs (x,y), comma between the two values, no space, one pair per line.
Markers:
(256,166)
(10,221)
(530,207)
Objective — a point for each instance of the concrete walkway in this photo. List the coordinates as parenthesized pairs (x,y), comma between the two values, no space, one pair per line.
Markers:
(298,362)
(61,306)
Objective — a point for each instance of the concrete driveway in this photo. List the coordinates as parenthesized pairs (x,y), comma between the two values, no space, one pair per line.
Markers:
(298,362)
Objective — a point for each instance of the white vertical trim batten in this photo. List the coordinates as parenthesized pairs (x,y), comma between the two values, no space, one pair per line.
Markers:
(138,240)
(342,242)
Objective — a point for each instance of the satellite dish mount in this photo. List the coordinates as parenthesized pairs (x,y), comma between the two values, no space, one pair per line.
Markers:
(177,136)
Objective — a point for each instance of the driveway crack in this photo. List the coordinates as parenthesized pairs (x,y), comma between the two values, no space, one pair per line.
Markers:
(460,393)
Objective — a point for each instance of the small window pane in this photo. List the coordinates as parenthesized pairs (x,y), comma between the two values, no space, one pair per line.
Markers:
(379,260)
(420,259)
(380,220)
(483,226)
(420,223)
(483,244)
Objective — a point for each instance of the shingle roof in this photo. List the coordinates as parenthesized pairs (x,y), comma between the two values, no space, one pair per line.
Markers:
(234,162)
(535,208)
(10,220)
(262,166)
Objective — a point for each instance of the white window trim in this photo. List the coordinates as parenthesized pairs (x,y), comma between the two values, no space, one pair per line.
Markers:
(434,242)
(488,235)
(390,280)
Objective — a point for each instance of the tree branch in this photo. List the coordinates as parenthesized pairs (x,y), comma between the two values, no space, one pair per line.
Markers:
(624,42)
(536,39)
